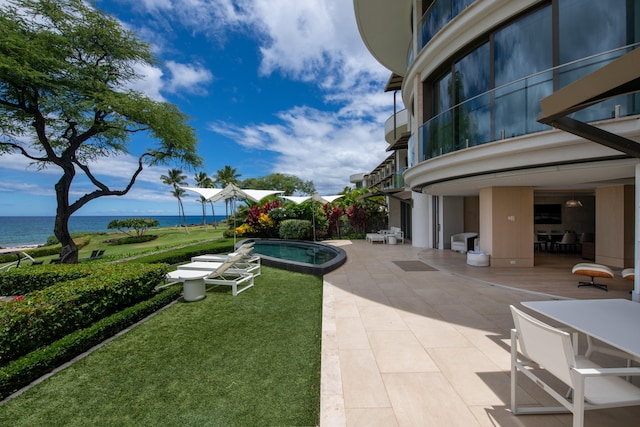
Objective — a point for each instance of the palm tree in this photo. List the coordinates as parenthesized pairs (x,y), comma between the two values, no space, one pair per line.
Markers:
(175,178)
(224,177)
(203,181)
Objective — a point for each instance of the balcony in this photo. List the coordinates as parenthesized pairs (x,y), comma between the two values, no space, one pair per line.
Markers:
(396,125)
(511,110)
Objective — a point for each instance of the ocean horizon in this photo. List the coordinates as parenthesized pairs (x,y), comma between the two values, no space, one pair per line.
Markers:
(18,231)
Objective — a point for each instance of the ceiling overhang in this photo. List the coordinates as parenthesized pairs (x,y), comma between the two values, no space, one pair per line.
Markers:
(385,29)
(394,83)
(401,143)
(620,77)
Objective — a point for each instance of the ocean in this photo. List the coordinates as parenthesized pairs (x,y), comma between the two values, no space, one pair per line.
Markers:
(34,230)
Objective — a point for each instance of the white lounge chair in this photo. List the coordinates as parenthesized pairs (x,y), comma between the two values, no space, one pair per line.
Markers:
(196,275)
(251,262)
(592,386)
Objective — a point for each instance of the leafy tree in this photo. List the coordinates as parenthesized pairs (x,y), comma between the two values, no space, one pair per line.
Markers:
(175,178)
(290,184)
(140,225)
(64,70)
(224,177)
(203,181)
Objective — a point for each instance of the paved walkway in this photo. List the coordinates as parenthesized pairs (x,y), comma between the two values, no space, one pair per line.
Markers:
(426,343)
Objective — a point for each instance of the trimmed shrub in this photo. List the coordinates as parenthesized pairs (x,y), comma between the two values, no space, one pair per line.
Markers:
(21,281)
(47,315)
(23,371)
(297,229)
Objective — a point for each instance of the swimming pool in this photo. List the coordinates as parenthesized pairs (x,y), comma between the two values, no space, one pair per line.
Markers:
(298,255)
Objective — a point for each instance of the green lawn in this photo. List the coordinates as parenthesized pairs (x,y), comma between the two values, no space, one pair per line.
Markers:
(250,360)
(168,237)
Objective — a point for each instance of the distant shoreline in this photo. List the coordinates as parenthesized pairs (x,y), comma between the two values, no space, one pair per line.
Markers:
(24,232)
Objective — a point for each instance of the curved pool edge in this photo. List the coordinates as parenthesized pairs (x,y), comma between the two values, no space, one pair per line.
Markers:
(302,267)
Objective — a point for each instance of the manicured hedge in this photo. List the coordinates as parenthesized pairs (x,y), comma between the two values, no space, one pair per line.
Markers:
(47,315)
(27,369)
(21,281)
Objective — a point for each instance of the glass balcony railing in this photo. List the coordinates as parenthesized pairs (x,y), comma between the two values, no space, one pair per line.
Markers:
(397,179)
(439,14)
(511,110)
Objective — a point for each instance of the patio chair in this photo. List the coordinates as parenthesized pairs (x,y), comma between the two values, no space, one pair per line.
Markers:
(196,275)
(592,386)
(246,260)
(229,275)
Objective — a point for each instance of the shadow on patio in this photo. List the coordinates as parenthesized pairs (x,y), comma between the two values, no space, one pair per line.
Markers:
(431,347)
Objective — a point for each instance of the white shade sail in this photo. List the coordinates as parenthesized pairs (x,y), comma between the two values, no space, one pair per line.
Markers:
(233,191)
(207,193)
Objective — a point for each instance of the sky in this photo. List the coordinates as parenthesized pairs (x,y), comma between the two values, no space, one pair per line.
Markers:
(270,86)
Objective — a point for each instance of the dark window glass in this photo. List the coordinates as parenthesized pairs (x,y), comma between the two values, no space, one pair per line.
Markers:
(590,28)
(523,48)
(472,74)
(472,117)
(442,95)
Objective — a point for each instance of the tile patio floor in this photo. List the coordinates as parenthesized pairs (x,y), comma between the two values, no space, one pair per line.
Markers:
(431,348)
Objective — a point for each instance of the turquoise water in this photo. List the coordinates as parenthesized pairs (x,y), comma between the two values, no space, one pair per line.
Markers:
(289,251)
(34,230)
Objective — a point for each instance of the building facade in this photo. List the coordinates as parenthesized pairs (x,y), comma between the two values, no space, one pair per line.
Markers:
(471,153)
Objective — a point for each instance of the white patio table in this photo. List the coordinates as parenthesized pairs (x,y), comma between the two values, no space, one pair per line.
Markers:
(612,321)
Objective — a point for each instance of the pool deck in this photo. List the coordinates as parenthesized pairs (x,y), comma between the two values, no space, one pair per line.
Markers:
(426,342)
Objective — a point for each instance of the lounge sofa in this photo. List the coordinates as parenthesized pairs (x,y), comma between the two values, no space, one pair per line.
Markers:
(463,242)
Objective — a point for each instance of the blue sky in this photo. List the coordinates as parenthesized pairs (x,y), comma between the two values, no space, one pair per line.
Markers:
(271,86)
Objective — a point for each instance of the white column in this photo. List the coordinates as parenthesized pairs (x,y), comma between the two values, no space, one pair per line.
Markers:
(421,220)
(635,295)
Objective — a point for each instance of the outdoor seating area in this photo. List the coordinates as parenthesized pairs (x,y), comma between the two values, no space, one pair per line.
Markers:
(236,270)
(590,385)
(391,236)
(433,347)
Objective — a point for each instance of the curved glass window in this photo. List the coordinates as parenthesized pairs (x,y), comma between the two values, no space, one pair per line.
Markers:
(472,114)
(586,30)
(439,14)
(522,49)
(493,92)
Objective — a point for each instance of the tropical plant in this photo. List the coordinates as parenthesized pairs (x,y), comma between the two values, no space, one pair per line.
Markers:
(203,181)
(64,72)
(224,177)
(175,178)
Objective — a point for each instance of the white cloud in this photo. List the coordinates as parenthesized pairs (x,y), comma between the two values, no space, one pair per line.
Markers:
(188,78)
(314,145)
(151,82)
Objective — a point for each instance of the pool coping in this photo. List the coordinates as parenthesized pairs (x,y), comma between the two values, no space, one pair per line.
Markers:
(301,267)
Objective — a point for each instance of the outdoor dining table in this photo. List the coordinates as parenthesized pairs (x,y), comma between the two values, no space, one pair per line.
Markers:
(611,321)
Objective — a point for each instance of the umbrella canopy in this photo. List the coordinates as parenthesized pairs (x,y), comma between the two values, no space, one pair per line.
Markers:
(234,192)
